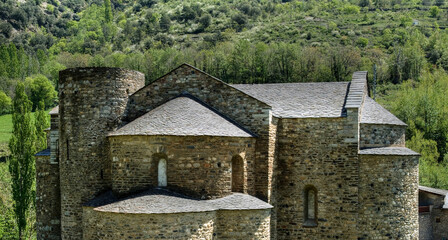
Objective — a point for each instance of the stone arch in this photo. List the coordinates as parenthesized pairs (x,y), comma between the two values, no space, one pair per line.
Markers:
(237,174)
(310,206)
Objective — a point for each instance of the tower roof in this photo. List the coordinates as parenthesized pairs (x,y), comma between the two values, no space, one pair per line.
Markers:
(184,116)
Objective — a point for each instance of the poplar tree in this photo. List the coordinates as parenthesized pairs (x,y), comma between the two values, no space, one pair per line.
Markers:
(21,163)
(4,58)
(107,11)
(13,61)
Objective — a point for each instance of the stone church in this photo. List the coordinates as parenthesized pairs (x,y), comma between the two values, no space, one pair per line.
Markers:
(191,157)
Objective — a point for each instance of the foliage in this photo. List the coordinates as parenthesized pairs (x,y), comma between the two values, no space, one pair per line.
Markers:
(21,162)
(8,229)
(5,103)
(423,106)
(39,88)
(107,11)
(434,11)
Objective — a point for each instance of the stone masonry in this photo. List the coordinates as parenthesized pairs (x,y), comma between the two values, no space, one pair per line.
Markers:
(191,157)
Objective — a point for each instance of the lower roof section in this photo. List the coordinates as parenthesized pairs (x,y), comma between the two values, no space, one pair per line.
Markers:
(161,201)
(45,152)
(394,151)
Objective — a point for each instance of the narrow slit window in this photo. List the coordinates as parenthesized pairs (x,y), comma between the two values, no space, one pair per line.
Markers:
(310,208)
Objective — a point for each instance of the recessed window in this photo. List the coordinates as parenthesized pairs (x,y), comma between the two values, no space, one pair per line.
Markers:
(237,174)
(310,207)
(161,173)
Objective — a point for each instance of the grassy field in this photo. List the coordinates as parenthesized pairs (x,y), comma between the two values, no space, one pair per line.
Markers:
(5,128)
(5,132)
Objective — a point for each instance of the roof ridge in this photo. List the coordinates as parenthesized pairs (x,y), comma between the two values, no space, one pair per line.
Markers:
(357,91)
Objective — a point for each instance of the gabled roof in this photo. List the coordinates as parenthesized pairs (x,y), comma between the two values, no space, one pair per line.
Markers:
(300,100)
(374,113)
(183,116)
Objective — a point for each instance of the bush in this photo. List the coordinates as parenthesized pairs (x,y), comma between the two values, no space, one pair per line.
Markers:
(434,11)
(362,42)
(5,103)
(39,88)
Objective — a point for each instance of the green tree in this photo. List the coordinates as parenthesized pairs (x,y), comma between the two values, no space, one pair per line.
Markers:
(21,163)
(363,42)
(434,11)
(13,68)
(107,11)
(41,124)
(5,103)
(40,89)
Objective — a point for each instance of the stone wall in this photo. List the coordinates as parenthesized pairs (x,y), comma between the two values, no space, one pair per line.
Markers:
(104,225)
(382,135)
(439,218)
(322,153)
(54,138)
(245,224)
(198,166)
(91,104)
(425,226)
(48,199)
(222,224)
(388,196)
(247,111)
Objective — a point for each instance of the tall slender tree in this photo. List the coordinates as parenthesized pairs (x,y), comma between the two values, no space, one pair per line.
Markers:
(107,11)
(13,61)
(21,164)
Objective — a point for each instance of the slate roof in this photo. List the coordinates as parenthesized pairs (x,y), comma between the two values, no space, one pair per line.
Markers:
(159,201)
(54,111)
(45,152)
(388,151)
(300,100)
(440,192)
(374,113)
(358,88)
(183,116)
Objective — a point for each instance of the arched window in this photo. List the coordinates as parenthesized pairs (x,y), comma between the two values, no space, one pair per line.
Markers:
(237,174)
(310,207)
(161,173)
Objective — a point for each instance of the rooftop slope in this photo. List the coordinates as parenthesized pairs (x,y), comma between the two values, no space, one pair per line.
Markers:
(183,116)
(300,100)
(159,201)
(374,113)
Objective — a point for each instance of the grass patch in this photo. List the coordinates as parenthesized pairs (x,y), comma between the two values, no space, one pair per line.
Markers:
(6,132)
(5,129)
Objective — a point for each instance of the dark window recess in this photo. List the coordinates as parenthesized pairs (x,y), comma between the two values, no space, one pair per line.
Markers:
(310,207)
(68,156)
